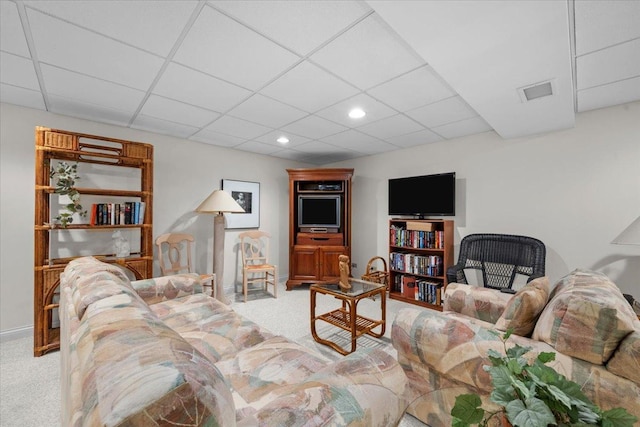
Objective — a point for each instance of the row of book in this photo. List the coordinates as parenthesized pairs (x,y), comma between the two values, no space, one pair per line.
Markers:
(117,213)
(416,238)
(431,265)
(418,289)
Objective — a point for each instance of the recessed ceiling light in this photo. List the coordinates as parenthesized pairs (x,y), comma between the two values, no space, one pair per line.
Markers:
(283,140)
(357,113)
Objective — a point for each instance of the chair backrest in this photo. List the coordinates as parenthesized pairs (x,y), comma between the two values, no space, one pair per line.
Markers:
(502,259)
(174,253)
(254,246)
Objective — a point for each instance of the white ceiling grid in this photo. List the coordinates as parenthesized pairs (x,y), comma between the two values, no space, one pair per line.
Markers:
(239,74)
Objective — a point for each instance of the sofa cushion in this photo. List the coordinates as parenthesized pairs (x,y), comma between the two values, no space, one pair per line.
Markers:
(625,362)
(480,303)
(137,370)
(164,288)
(587,317)
(370,383)
(523,309)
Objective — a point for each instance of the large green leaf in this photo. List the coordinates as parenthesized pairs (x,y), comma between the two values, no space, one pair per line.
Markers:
(618,417)
(534,414)
(467,409)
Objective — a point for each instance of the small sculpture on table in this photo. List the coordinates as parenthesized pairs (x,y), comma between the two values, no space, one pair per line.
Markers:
(344,272)
(121,245)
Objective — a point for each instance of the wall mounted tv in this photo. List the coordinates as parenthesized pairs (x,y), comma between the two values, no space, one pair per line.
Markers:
(426,195)
(319,211)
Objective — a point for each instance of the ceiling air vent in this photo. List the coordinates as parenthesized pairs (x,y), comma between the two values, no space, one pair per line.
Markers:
(538,90)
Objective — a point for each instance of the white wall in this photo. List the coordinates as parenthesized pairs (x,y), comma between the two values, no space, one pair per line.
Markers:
(575,190)
(185,173)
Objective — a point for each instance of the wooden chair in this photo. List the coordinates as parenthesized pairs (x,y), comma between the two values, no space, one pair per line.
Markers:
(174,254)
(254,246)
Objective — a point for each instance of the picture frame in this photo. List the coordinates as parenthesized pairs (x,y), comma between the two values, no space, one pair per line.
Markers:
(247,194)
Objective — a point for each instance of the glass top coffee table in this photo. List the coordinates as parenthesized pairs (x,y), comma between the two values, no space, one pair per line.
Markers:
(346,317)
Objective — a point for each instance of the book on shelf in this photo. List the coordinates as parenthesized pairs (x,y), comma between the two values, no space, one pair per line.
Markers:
(419,239)
(126,213)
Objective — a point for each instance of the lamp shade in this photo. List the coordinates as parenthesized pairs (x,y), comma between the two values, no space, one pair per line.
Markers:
(218,202)
(630,235)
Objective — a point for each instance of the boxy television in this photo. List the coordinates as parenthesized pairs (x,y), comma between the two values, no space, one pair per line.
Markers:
(319,211)
(425,195)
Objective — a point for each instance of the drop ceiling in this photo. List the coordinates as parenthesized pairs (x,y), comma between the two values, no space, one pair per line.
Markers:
(240,74)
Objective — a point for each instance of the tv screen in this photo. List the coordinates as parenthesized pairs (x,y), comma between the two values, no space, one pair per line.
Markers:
(424,195)
(319,211)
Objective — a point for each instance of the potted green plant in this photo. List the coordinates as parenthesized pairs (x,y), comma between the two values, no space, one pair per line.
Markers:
(532,395)
(66,176)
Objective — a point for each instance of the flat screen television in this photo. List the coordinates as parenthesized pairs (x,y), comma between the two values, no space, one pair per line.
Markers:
(322,211)
(425,195)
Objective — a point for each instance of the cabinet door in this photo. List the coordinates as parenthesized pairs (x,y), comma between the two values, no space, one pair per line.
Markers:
(305,263)
(329,263)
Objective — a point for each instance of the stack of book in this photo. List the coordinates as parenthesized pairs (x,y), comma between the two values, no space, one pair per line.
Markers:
(117,213)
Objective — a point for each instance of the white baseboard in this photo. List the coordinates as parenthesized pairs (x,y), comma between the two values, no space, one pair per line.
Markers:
(17,333)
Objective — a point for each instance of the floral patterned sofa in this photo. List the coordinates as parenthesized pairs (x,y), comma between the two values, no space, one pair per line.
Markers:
(161,352)
(584,319)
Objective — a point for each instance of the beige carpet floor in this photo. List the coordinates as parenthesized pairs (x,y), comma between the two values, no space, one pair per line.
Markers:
(30,386)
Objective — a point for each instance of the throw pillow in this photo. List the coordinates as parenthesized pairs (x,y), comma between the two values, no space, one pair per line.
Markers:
(587,317)
(525,306)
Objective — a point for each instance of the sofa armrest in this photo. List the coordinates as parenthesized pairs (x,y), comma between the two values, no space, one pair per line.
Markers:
(480,303)
(165,288)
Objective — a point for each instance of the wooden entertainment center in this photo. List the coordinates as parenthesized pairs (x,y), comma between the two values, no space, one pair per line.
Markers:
(319,223)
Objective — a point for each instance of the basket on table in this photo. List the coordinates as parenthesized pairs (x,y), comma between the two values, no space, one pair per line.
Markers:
(377,275)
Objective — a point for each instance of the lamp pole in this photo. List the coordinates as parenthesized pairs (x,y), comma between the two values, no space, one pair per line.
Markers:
(218,256)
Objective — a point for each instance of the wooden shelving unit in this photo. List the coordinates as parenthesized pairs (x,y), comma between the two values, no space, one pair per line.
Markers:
(61,145)
(313,253)
(420,251)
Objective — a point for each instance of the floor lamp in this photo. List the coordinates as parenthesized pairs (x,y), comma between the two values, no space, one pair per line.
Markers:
(219,202)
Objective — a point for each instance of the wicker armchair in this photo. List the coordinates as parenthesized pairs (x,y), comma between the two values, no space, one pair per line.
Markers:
(498,261)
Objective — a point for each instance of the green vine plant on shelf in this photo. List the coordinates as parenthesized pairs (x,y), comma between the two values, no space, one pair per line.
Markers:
(66,176)
(532,395)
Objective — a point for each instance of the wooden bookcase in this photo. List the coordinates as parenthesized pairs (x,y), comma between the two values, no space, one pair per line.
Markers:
(54,145)
(313,252)
(420,251)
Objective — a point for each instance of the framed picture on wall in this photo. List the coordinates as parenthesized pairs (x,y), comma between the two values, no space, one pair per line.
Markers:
(247,194)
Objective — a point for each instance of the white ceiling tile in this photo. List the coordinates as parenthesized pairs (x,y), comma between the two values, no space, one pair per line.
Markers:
(193,87)
(391,126)
(309,88)
(291,155)
(238,128)
(152,124)
(257,147)
(216,138)
(318,147)
(449,110)
(84,110)
(266,111)
(417,138)
(299,25)
(339,112)
(90,90)
(599,24)
(357,141)
(20,96)
(314,127)
(18,71)
(333,157)
(609,65)
(368,54)
(11,34)
(616,93)
(150,25)
(462,128)
(223,48)
(271,137)
(65,45)
(178,112)
(412,90)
